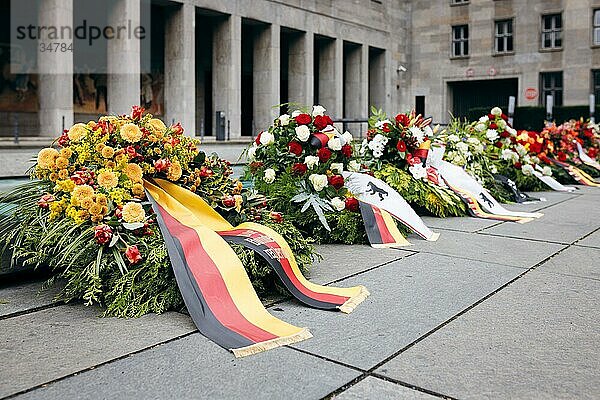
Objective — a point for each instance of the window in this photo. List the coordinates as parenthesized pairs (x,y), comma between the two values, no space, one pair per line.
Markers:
(504,36)
(596,84)
(551,31)
(460,41)
(460,2)
(551,84)
(596,28)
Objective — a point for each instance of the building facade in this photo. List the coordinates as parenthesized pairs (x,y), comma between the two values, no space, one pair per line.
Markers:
(220,66)
(473,53)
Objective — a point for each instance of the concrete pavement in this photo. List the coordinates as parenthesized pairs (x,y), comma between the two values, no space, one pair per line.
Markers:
(491,310)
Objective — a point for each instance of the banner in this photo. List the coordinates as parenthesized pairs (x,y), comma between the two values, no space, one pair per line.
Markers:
(472,192)
(376,192)
(585,158)
(380,227)
(577,174)
(551,182)
(518,196)
(274,249)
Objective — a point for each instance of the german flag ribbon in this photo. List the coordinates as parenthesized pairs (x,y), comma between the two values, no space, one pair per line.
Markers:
(585,158)
(380,227)
(480,202)
(214,285)
(576,173)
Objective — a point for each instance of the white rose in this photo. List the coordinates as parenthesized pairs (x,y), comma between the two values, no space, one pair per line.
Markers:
(512,131)
(284,119)
(334,144)
(269,175)
(480,127)
(418,171)
(318,181)
(380,124)
(527,169)
(354,166)
(491,135)
(302,133)
(547,171)
(417,133)
(266,138)
(318,110)
(526,159)
(311,161)
(348,137)
(496,111)
(459,160)
(252,153)
(510,155)
(453,138)
(478,149)
(338,203)
(521,150)
(337,167)
(295,113)
(484,119)
(501,124)
(473,140)
(462,147)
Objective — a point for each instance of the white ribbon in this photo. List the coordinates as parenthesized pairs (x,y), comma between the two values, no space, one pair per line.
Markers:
(551,182)
(378,193)
(585,158)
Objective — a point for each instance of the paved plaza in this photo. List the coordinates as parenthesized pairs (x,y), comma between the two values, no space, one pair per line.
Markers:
(491,310)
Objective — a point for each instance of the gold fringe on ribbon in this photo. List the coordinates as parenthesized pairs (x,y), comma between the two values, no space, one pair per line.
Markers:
(389,245)
(354,301)
(271,344)
(524,220)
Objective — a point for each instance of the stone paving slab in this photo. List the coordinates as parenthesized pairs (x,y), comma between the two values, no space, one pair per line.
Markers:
(577,261)
(194,367)
(463,224)
(340,261)
(408,298)
(24,297)
(551,199)
(562,223)
(495,249)
(592,240)
(536,339)
(38,347)
(375,388)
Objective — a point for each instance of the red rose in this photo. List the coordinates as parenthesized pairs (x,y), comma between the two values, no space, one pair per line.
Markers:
(229,201)
(518,165)
(535,147)
(295,148)
(504,116)
(386,128)
(299,168)
(493,125)
(206,172)
(324,154)
(337,181)
(401,146)
(162,164)
(321,121)
(592,152)
(532,134)
(491,117)
(63,140)
(257,140)
(588,133)
(351,204)
(276,216)
(562,156)
(174,141)
(347,150)
(102,234)
(413,160)
(79,178)
(119,212)
(45,200)
(177,129)
(402,119)
(137,112)
(131,152)
(303,119)
(133,254)
(498,145)
(504,134)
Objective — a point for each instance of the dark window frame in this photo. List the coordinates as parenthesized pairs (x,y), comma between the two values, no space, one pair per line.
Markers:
(552,83)
(460,43)
(507,37)
(596,27)
(551,38)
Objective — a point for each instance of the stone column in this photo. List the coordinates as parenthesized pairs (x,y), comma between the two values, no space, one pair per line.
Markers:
(301,72)
(266,75)
(354,83)
(227,70)
(331,85)
(180,74)
(123,59)
(55,72)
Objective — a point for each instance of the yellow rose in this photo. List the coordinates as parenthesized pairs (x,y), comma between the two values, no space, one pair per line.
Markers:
(86,202)
(138,190)
(175,171)
(95,209)
(157,126)
(82,191)
(131,133)
(53,177)
(99,148)
(133,212)
(134,172)
(108,179)
(63,174)
(121,158)
(101,199)
(61,163)
(66,153)
(47,157)
(110,165)
(77,132)
(108,152)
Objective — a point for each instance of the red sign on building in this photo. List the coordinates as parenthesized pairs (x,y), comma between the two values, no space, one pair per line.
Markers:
(531,93)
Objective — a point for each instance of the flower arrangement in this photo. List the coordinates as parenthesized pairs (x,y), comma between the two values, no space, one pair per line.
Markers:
(298,163)
(396,151)
(85,215)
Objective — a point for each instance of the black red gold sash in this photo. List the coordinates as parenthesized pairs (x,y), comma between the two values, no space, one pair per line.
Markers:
(381,228)
(577,174)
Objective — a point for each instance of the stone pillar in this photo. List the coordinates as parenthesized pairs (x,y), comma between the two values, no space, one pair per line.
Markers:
(227,71)
(355,94)
(55,72)
(123,59)
(331,85)
(301,72)
(266,75)
(180,74)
